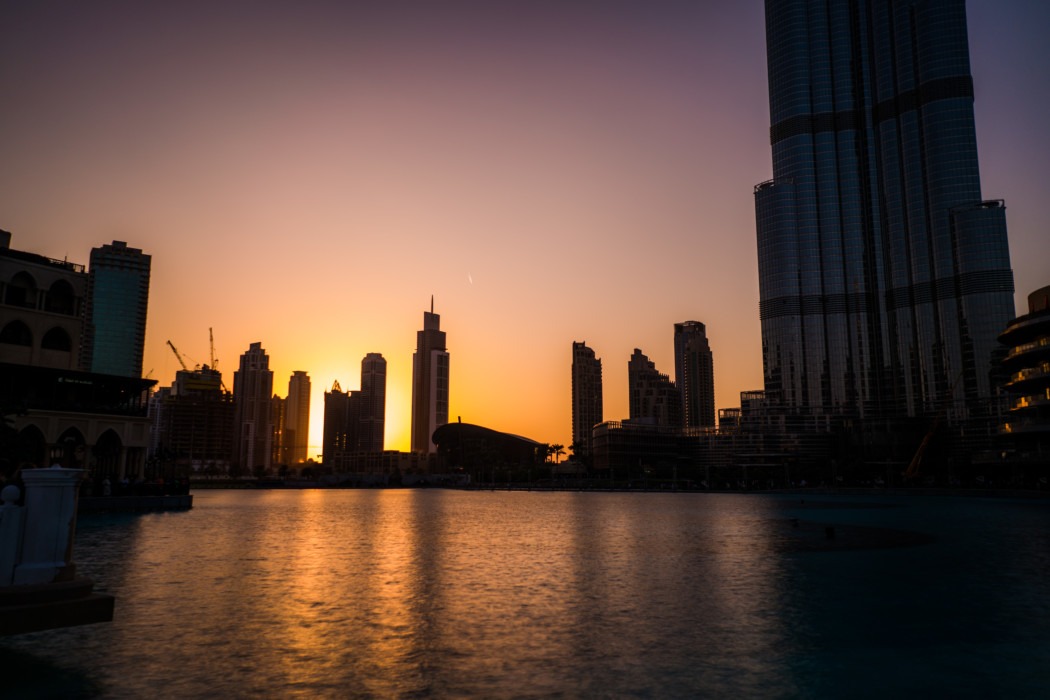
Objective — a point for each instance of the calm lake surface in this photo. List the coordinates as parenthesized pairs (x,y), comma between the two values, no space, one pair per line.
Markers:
(433,593)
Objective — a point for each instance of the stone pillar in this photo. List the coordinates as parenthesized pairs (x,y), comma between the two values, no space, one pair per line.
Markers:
(50,521)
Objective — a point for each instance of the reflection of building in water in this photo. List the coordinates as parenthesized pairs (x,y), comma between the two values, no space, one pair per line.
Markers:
(74,418)
(1027,362)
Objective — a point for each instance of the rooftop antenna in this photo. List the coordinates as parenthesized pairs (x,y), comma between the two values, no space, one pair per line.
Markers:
(431,303)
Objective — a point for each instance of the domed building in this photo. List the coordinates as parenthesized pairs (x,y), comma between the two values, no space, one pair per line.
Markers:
(483,452)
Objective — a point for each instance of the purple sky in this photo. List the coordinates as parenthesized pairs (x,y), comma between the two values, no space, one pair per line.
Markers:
(307,174)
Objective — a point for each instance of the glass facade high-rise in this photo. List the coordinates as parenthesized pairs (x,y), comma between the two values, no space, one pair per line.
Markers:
(884,276)
(694,374)
(430,373)
(115,327)
(586,396)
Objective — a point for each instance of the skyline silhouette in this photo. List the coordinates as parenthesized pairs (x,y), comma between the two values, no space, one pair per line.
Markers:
(306,177)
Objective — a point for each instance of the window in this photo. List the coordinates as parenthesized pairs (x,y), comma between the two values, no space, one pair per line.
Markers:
(16,333)
(57,339)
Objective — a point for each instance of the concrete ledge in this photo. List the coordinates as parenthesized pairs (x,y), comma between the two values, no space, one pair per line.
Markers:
(133,504)
(52,605)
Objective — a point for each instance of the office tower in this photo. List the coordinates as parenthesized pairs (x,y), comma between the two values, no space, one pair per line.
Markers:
(653,396)
(694,374)
(252,391)
(586,396)
(277,445)
(336,409)
(429,382)
(355,421)
(115,324)
(296,435)
(884,276)
(371,408)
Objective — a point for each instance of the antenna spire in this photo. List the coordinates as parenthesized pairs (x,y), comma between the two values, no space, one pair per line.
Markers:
(431,303)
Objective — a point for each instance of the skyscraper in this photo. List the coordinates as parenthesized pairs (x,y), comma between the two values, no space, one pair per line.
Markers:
(296,433)
(586,396)
(653,396)
(252,391)
(278,453)
(429,382)
(371,408)
(355,421)
(115,324)
(884,276)
(694,374)
(336,410)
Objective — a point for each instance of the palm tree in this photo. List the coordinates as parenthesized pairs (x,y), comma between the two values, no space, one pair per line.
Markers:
(557,451)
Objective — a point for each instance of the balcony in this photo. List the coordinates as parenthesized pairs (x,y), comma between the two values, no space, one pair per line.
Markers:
(1036,345)
(1037,374)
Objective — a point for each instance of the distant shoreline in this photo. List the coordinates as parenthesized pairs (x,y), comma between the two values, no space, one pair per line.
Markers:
(802,491)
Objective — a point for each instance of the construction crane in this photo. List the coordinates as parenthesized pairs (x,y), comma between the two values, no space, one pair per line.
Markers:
(178,356)
(215,360)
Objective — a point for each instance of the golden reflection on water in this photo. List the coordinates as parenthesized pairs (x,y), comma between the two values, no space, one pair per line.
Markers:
(478,594)
(415,592)
(394,549)
(301,618)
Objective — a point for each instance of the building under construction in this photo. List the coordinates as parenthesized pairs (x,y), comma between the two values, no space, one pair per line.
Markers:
(192,425)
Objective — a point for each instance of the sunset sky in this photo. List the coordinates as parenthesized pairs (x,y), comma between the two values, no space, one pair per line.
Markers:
(307,174)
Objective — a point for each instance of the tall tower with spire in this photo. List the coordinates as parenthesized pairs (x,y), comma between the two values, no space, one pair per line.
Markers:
(884,273)
(429,382)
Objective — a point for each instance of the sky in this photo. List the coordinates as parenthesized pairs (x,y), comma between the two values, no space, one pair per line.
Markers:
(308,174)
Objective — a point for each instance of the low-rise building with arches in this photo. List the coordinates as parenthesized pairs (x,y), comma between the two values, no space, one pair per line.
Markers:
(54,412)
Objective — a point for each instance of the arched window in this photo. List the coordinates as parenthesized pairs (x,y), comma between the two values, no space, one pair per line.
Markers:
(106,454)
(21,291)
(30,447)
(57,339)
(68,450)
(61,299)
(16,333)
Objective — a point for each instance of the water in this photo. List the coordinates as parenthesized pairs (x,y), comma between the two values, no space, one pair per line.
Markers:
(432,593)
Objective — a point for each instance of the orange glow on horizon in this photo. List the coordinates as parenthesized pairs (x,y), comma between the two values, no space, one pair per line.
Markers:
(311,192)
